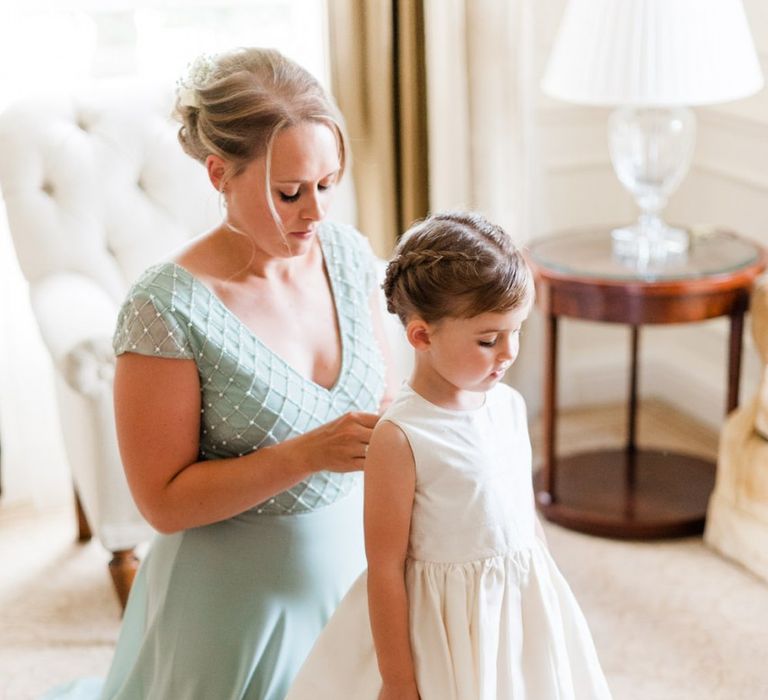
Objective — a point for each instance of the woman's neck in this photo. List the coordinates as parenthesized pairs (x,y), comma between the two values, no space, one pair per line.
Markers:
(226,256)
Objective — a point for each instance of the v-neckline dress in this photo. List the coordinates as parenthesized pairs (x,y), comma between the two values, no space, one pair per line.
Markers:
(230,610)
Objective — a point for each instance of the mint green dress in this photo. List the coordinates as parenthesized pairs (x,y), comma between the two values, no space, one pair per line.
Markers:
(229,611)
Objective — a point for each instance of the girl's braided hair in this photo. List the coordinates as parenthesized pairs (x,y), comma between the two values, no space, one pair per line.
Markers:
(456,264)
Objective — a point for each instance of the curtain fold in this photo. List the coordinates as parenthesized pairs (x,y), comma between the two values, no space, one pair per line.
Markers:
(440,100)
(378,78)
(482,95)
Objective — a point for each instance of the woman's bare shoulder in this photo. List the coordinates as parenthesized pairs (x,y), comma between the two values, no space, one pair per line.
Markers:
(201,256)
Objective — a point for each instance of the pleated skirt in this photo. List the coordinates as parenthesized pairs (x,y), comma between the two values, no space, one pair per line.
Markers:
(500,628)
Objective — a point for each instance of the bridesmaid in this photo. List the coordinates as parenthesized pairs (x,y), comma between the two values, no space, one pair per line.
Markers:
(250,374)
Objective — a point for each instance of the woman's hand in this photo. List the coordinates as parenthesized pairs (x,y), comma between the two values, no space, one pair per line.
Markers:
(399,691)
(338,446)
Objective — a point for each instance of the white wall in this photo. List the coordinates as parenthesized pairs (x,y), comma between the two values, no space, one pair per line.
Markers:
(727,186)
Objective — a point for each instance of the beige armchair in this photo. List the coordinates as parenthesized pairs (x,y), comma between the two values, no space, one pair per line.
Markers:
(737,518)
(96,188)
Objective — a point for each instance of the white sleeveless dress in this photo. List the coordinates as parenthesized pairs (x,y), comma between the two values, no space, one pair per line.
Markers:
(491,617)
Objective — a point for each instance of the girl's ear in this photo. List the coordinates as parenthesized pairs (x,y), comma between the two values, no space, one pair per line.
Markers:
(418,334)
(216,168)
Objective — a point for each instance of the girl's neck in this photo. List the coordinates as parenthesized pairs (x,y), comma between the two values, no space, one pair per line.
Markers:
(437,390)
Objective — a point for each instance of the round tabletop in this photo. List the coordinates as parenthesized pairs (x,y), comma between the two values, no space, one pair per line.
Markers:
(580,276)
(588,253)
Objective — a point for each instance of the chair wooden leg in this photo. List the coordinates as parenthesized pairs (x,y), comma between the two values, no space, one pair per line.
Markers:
(83,528)
(123,568)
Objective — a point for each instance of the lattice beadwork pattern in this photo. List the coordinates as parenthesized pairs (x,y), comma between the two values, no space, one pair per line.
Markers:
(250,396)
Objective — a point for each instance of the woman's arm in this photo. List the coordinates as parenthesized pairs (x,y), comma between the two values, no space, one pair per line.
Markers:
(390,482)
(157,409)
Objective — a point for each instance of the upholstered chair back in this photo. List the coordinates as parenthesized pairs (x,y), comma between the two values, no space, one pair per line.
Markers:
(96,184)
(96,188)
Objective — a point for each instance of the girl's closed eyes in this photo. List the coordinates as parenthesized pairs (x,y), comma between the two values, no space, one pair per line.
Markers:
(491,342)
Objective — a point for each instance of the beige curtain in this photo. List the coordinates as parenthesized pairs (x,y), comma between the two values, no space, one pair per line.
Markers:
(378,78)
(482,87)
(482,93)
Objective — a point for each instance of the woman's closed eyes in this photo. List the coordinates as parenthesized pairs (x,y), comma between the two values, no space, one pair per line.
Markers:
(293,197)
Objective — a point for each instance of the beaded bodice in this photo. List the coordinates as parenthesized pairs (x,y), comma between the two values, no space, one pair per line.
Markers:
(250,396)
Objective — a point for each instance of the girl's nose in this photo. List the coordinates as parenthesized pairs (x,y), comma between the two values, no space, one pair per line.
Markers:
(508,347)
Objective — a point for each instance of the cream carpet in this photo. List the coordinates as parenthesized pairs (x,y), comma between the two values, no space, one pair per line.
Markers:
(672,620)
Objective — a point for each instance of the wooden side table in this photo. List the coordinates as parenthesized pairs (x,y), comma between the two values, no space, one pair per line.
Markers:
(635,492)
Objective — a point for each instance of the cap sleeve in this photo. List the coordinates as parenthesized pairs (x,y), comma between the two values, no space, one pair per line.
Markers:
(149,324)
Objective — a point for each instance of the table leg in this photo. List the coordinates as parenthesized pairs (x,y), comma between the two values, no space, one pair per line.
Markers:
(550,409)
(632,405)
(628,491)
(734,359)
(632,412)
(630,465)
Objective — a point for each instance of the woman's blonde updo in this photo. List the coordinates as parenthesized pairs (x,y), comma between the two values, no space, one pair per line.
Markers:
(457,265)
(233,105)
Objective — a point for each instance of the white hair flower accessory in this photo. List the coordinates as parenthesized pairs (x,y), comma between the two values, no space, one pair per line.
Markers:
(198,74)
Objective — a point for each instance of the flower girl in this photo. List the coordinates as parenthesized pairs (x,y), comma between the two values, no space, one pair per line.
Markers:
(461,599)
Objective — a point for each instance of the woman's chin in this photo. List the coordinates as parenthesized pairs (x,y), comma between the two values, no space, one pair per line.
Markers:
(301,242)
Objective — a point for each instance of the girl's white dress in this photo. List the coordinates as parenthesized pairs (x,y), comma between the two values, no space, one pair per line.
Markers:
(491,617)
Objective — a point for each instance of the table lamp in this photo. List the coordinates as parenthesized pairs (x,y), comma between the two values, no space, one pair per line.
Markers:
(652,60)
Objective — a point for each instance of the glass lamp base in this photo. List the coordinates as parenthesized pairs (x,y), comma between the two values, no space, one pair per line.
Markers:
(640,247)
(651,149)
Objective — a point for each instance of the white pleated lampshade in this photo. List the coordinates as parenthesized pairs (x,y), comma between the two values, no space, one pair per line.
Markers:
(653,53)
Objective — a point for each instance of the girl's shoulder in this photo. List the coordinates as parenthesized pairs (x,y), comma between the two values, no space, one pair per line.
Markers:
(403,399)
(501,398)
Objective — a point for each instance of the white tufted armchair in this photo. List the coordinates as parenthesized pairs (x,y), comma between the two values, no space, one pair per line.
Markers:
(96,188)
